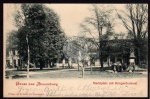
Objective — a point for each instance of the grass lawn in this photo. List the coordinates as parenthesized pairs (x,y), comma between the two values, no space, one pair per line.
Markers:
(57,73)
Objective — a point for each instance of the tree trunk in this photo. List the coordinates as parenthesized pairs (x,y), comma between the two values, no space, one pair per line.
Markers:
(101,59)
(139,63)
(53,64)
(137,52)
(28,56)
(78,67)
(41,67)
(48,62)
(100,55)
(108,61)
(41,64)
(91,69)
(138,49)
(101,62)
(82,72)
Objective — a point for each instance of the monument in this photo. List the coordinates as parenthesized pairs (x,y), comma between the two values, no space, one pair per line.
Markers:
(132,60)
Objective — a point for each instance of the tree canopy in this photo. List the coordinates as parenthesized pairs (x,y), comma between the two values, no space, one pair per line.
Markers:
(44,33)
(11,41)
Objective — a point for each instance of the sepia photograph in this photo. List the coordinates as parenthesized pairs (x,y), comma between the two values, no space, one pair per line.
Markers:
(75,50)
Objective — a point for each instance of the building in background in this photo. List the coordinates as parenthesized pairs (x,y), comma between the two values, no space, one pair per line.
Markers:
(12,59)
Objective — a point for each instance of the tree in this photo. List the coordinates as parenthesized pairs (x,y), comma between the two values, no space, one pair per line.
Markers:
(135,20)
(95,23)
(55,35)
(41,34)
(11,40)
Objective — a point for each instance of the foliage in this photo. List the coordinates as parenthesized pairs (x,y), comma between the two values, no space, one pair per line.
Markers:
(42,28)
(11,41)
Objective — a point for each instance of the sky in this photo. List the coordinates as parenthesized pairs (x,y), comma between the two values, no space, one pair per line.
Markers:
(71,16)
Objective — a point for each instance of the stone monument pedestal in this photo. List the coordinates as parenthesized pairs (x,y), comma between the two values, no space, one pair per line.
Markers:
(132,61)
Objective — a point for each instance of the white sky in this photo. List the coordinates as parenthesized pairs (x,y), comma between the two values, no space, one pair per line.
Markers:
(71,15)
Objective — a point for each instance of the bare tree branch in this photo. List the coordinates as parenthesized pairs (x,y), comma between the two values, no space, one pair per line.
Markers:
(137,14)
(89,31)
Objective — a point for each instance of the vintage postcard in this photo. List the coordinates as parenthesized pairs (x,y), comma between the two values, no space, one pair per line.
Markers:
(75,50)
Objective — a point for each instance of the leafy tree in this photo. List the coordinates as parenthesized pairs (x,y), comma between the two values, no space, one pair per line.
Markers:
(43,32)
(11,40)
(54,35)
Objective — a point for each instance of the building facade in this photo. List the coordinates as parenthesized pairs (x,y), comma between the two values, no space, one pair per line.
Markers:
(12,59)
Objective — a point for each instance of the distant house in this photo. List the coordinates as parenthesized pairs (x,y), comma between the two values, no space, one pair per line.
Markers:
(12,59)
